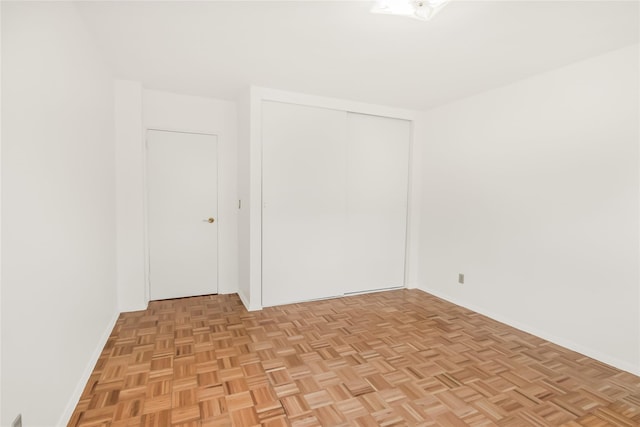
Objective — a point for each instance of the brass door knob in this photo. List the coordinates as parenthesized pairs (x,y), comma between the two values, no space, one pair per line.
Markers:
(210,220)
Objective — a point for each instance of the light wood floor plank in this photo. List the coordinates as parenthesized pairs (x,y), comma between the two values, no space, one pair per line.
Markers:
(397,358)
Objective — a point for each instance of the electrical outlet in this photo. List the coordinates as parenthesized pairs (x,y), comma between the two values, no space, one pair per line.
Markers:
(17,422)
(461,278)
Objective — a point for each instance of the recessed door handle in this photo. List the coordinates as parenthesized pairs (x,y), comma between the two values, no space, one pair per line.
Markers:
(209,220)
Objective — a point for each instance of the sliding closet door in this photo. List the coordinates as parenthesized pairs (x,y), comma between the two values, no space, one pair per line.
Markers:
(304,203)
(377,181)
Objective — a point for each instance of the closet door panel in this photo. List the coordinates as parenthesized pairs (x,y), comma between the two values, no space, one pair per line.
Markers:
(304,203)
(377,187)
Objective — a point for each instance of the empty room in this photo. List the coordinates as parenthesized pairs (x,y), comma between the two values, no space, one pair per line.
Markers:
(320,213)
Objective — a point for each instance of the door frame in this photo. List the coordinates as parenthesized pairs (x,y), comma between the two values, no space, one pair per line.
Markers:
(411,223)
(145,178)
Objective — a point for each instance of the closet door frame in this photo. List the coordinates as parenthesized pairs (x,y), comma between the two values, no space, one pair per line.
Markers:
(347,108)
(250,180)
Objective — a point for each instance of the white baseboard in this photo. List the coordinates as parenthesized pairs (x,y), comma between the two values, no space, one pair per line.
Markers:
(82,382)
(245,302)
(228,290)
(131,308)
(589,352)
(371,291)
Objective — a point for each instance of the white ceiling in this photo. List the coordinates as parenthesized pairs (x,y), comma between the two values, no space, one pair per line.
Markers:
(339,49)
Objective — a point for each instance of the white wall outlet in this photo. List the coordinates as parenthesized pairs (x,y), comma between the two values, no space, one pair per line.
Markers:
(461,278)
(17,422)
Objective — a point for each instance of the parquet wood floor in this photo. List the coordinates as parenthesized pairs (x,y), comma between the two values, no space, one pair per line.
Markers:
(397,358)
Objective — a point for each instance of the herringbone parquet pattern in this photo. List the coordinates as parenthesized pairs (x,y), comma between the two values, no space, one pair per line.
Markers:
(398,358)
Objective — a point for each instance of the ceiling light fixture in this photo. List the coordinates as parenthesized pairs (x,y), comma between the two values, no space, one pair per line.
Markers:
(418,9)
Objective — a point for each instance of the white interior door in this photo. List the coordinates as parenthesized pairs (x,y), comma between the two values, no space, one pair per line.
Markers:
(182,186)
(304,200)
(377,191)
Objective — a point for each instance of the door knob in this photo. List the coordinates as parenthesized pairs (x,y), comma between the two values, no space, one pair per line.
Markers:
(210,220)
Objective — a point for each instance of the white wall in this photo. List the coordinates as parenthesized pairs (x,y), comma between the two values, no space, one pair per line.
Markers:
(255,199)
(168,111)
(244,188)
(532,192)
(58,210)
(250,177)
(1,417)
(138,109)
(130,213)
